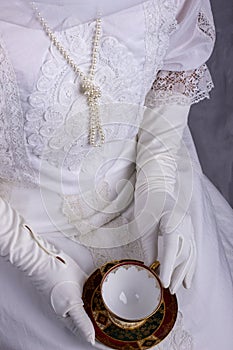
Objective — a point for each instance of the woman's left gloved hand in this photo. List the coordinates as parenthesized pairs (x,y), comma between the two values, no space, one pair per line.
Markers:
(178,255)
(162,194)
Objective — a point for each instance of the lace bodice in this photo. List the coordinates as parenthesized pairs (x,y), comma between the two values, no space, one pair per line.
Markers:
(44,116)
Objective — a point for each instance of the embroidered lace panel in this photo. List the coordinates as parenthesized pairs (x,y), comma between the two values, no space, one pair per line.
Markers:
(14,165)
(206,26)
(185,87)
(58,115)
(132,250)
(160,24)
(178,339)
(57,119)
(101,215)
(5,190)
(88,212)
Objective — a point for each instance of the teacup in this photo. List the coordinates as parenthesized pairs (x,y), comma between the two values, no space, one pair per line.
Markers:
(131,293)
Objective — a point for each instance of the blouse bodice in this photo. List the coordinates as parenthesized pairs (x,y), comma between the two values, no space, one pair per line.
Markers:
(44,116)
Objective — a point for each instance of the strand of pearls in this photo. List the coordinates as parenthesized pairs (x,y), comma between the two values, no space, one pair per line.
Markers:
(89,89)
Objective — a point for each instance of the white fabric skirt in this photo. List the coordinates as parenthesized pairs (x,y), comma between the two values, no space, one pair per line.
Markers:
(205,317)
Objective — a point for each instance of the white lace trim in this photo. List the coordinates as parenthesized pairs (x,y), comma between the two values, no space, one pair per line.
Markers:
(14,165)
(101,214)
(132,250)
(88,212)
(160,24)
(206,26)
(178,339)
(5,190)
(184,88)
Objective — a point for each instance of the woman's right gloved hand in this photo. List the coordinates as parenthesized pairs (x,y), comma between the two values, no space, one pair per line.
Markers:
(53,272)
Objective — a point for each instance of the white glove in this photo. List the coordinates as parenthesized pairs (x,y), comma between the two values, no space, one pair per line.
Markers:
(178,256)
(53,272)
(163,191)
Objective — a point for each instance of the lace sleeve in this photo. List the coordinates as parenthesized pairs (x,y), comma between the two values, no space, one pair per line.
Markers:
(206,25)
(184,88)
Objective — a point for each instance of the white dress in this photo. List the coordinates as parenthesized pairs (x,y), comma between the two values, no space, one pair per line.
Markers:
(44,157)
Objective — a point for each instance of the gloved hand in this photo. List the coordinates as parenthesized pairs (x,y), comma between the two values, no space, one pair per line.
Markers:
(53,272)
(178,256)
(163,191)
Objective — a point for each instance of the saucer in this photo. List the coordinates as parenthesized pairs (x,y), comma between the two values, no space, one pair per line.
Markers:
(148,334)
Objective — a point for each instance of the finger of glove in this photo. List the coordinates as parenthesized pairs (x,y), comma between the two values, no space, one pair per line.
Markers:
(83,323)
(71,325)
(190,273)
(181,270)
(167,263)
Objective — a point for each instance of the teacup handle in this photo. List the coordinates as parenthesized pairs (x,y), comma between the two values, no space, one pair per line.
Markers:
(154,266)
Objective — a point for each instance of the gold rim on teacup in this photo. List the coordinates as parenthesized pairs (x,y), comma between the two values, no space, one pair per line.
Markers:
(122,321)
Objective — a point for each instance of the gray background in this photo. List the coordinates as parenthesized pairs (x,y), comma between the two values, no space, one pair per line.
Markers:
(211,121)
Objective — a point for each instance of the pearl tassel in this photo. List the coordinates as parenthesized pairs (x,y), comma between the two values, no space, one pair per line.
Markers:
(89,89)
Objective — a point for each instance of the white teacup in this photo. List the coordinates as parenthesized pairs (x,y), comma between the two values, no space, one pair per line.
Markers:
(131,291)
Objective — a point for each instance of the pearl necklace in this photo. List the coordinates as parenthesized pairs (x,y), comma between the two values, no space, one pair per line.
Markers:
(89,89)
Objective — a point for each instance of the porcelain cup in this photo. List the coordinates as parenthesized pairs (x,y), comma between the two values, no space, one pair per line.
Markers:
(131,292)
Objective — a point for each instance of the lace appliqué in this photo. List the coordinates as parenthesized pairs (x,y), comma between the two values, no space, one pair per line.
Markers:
(84,211)
(132,250)
(160,24)
(178,339)
(14,165)
(206,26)
(5,190)
(57,120)
(100,216)
(184,88)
